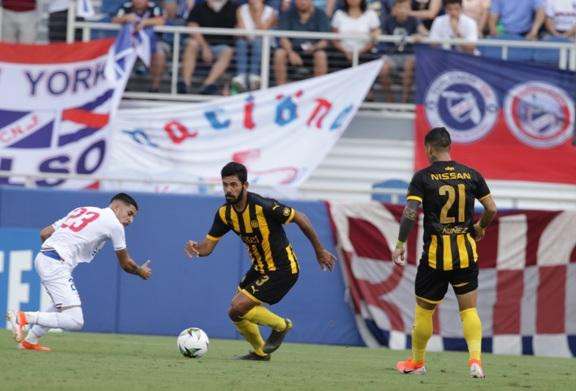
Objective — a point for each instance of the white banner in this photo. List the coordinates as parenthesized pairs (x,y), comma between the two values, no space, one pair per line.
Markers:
(56,103)
(280,134)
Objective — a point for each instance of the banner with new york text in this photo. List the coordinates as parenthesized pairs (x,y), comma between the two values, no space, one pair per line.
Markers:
(56,105)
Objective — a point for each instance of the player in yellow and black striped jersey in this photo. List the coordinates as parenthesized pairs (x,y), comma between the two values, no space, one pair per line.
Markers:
(447,191)
(258,222)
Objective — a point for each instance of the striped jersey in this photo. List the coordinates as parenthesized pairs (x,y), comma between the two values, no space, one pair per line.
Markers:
(259,226)
(447,191)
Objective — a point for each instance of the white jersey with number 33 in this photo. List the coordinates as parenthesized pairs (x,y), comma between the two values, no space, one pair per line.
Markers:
(83,232)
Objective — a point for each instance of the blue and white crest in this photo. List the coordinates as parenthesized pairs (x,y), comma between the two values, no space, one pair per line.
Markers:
(462,102)
(539,114)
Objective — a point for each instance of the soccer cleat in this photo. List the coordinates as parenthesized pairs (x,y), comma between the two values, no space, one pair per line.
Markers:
(476,370)
(411,367)
(276,337)
(33,346)
(17,321)
(251,356)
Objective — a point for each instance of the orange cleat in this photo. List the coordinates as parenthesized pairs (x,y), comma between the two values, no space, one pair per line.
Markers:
(411,367)
(476,370)
(33,346)
(18,322)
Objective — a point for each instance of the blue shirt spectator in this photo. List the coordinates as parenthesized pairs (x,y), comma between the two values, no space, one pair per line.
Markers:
(519,17)
(318,22)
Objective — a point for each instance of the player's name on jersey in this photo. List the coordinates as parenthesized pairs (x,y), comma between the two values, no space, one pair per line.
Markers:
(454,230)
(450,175)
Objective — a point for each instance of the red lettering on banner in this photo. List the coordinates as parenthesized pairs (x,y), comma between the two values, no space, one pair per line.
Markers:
(551,301)
(248,110)
(507,309)
(11,134)
(323,107)
(178,132)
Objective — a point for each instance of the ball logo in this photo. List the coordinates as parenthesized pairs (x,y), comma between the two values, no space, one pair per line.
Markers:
(539,114)
(463,103)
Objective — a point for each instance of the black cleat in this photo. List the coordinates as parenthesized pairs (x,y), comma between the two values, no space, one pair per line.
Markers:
(254,357)
(276,337)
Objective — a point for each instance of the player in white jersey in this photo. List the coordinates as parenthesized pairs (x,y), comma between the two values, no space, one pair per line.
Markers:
(74,239)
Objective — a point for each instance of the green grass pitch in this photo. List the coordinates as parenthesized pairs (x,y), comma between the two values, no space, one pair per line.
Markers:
(84,361)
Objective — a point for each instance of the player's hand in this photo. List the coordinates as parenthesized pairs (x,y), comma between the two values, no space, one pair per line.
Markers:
(398,256)
(326,260)
(192,249)
(480,232)
(145,271)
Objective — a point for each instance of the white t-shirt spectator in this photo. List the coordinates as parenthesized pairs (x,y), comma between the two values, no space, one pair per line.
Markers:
(249,24)
(467,28)
(562,13)
(343,23)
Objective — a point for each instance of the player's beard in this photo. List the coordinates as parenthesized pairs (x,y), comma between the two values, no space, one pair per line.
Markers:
(233,201)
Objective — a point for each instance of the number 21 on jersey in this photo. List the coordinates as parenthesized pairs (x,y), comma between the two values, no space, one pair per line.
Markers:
(79,218)
(451,193)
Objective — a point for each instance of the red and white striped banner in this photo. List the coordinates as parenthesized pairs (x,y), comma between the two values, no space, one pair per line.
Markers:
(527,282)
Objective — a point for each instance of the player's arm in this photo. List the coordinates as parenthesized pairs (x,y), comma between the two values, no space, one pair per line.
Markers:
(202,249)
(487,216)
(46,232)
(325,258)
(409,216)
(129,266)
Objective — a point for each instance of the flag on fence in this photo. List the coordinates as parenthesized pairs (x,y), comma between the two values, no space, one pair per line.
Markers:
(281,134)
(508,120)
(84,8)
(527,281)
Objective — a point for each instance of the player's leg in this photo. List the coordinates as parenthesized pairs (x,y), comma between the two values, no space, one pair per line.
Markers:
(430,287)
(242,304)
(466,291)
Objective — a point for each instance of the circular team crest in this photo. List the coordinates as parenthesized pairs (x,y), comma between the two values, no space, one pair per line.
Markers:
(463,103)
(539,114)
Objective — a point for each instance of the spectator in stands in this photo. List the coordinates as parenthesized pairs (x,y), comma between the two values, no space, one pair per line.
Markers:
(426,11)
(454,24)
(58,21)
(212,13)
(520,17)
(561,18)
(145,15)
(328,6)
(479,10)
(383,8)
(302,51)
(19,21)
(355,18)
(254,15)
(175,14)
(400,55)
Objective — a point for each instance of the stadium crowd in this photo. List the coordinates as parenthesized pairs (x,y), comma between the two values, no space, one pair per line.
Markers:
(295,58)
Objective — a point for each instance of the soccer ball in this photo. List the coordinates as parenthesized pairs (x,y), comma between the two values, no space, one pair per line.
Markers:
(193,342)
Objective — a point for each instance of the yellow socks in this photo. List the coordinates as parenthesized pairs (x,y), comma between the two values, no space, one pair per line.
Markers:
(421,332)
(263,316)
(251,333)
(472,327)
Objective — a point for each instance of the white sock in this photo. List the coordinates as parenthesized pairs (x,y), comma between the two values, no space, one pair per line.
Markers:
(68,319)
(36,331)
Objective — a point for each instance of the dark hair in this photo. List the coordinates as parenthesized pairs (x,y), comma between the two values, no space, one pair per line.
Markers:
(438,138)
(363,6)
(448,2)
(235,169)
(125,198)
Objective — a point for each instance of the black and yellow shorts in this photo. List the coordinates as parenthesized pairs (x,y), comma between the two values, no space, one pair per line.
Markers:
(268,288)
(432,284)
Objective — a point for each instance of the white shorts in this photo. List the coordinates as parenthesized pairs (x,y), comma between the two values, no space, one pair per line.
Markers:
(57,279)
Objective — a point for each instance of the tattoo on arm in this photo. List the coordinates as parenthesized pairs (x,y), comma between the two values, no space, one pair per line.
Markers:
(408,219)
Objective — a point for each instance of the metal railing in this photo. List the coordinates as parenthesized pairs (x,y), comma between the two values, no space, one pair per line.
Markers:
(567,52)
